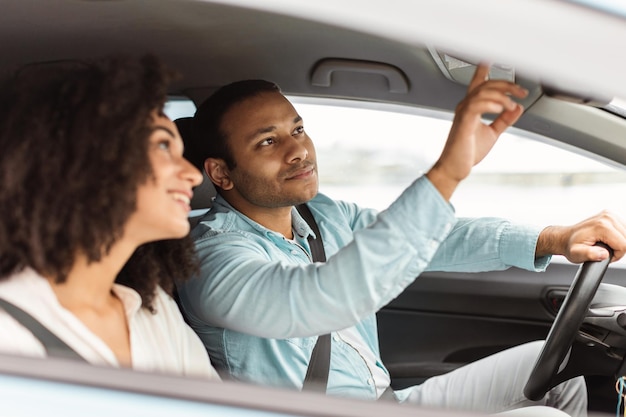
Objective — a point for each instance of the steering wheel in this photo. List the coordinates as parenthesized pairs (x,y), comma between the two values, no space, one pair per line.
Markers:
(565,326)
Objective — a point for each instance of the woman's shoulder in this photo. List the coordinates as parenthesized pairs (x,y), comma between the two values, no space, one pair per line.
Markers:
(31,293)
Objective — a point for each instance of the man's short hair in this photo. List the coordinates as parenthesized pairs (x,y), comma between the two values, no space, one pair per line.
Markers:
(209,140)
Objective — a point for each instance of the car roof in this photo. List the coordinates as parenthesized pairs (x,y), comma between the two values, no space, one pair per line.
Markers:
(212,43)
(217,41)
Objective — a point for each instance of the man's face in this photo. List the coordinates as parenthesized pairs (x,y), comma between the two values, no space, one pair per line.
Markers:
(275,158)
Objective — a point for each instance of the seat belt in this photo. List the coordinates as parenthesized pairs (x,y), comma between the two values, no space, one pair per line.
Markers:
(54,346)
(316,378)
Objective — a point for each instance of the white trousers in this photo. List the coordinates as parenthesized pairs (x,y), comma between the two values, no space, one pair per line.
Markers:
(495,384)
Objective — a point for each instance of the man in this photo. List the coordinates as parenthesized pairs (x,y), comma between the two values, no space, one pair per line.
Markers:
(260,301)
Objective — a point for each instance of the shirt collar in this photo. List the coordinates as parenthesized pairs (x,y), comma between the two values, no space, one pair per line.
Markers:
(299,225)
(131,300)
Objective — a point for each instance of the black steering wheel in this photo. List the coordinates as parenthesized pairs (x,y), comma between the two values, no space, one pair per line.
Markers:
(565,326)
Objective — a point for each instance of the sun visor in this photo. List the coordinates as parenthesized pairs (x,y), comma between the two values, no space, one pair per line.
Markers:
(462,71)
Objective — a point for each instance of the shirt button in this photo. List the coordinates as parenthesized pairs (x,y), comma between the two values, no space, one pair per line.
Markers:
(294,252)
(335,338)
(370,381)
(434,244)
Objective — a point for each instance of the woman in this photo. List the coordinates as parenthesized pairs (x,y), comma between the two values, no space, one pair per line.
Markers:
(92,172)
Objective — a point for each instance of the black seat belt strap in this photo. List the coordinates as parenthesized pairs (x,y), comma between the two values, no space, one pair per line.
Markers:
(316,245)
(54,346)
(316,378)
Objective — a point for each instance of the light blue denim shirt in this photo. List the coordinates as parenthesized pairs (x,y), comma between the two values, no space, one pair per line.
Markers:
(259,301)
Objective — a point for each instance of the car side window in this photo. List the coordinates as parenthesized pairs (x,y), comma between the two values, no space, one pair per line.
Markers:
(178,106)
(368,153)
(369,156)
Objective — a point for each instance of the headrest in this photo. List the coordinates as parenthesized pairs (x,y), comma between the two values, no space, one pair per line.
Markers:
(203,194)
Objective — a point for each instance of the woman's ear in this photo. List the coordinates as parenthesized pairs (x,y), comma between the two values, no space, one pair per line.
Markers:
(218,172)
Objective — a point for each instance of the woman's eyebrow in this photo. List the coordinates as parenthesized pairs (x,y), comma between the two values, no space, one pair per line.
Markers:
(167,130)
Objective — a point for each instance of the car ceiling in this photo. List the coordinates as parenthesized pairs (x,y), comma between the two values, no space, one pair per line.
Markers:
(212,44)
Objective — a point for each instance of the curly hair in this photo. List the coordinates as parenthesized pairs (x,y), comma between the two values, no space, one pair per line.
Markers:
(74,149)
(209,141)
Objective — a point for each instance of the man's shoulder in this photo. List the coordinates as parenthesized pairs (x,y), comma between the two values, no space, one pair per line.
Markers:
(340,211)
(218,219)
(322,200)
(223,225)
(224,222)
(323,203)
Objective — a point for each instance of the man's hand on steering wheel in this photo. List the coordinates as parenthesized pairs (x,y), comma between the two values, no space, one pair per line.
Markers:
(553,356)
(577,242)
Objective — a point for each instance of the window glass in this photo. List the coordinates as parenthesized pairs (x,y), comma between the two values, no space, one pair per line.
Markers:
(177,107)
(369,156)
(611,6)
(368,153)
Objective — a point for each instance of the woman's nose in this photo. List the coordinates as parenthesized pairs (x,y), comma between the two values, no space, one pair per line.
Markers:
(191,173)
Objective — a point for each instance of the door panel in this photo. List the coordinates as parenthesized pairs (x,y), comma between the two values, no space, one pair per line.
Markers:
(445,320)
(433,343)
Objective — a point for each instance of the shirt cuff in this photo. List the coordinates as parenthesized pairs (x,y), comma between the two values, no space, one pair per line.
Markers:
(518,244)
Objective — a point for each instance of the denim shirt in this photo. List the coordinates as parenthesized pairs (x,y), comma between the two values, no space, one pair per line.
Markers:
(259,301)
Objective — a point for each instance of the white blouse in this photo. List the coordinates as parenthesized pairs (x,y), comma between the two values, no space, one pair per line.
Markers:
(160,342)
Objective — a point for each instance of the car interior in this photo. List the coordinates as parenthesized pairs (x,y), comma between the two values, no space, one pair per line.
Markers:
(443,320)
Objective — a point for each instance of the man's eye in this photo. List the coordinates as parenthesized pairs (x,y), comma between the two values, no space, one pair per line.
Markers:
(299,130)
(266,142)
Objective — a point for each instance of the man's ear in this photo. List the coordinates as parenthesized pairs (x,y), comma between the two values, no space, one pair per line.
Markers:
(218,172)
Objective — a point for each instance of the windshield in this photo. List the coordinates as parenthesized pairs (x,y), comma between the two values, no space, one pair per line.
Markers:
(616,7)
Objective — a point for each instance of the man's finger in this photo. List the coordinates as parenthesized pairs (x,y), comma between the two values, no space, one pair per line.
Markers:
(480,76)
(506,119)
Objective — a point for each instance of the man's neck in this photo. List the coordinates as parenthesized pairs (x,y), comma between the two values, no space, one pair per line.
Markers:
(276,219)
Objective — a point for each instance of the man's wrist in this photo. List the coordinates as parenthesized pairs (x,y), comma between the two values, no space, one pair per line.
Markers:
(550,242)
(442,182)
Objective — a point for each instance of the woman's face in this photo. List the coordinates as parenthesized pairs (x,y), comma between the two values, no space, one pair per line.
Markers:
(163,200)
